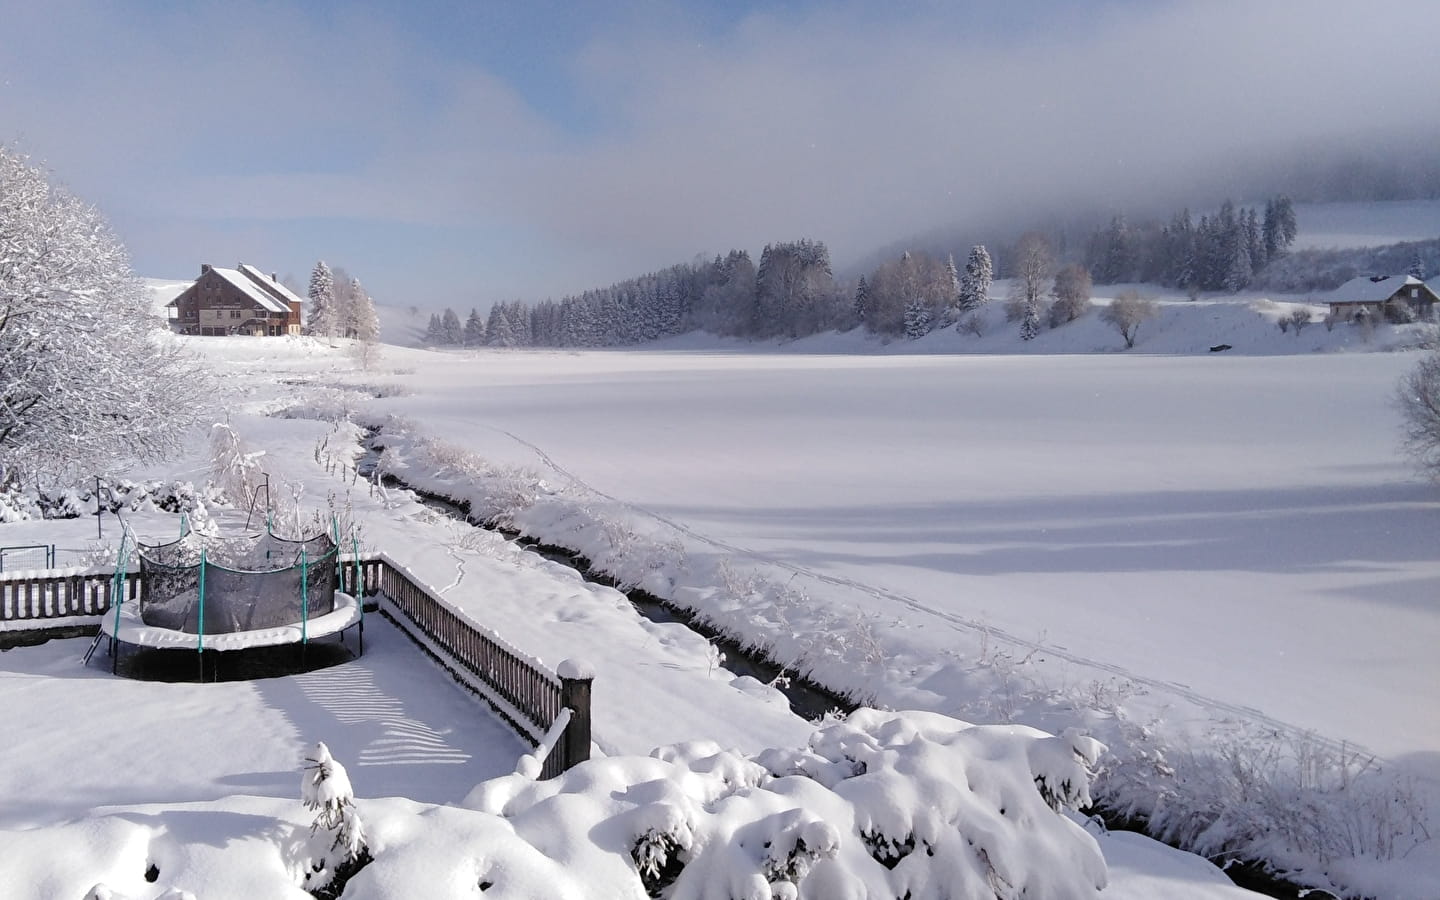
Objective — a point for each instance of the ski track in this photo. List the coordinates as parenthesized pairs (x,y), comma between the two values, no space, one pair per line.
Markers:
(1343,748)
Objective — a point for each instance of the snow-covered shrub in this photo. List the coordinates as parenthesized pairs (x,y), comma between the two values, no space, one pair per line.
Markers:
(1398,312)
(234,467)
(879,804)
(973,324)
(18,504)
(340,851)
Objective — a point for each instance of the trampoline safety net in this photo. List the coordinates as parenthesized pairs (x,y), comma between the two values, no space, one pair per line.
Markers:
(244,583)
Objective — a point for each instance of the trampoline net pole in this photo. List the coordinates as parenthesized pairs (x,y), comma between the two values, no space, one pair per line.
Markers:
(200,621)
(304,596)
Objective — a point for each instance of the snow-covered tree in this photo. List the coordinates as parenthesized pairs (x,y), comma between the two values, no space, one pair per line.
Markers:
(862,301)
(1127,313)
(1417,267)
(474,329)
(451,331)
(361,321)
(952,276)
(1279,228)
(434,332)
(1030,287)
(1238,271)
(323,319)
(898,284)
(90,378)
(498,332)
(1030,321)
(975,284)
(1072,294)
(917,319)
(325,789)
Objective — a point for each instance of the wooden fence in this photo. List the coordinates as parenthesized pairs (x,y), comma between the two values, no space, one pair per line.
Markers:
(527,696)
(35,597)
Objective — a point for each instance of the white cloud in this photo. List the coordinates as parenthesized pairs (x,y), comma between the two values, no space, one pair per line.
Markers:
(846,124)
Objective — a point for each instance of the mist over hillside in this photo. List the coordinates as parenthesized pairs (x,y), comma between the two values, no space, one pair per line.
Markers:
(1340,195)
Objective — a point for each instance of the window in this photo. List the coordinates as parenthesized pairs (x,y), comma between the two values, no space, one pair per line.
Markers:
(1414,293)
(234,313)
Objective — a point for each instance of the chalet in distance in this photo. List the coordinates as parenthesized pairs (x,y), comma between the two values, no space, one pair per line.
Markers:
(1372,292)
(242,300)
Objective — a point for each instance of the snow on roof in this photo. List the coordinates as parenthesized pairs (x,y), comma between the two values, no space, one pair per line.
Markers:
(251,289)
(281,292)
(1370,288)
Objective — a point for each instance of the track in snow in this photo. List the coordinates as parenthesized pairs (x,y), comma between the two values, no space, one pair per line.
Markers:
(963,623)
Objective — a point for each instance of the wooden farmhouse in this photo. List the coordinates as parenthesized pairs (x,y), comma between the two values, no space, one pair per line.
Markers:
(1372,292)
(242,300)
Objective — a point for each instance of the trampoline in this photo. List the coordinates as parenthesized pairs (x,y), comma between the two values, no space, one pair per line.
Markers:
(229,593)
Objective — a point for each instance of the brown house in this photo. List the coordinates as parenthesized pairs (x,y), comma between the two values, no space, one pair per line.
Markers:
(1371,293)
(242,300)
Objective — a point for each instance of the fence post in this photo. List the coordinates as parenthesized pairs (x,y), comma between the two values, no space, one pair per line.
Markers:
(576,677)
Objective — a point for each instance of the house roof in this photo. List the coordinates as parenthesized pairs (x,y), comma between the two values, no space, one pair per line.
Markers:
(1370,289)
(265,291)
(275,288)
(251,289)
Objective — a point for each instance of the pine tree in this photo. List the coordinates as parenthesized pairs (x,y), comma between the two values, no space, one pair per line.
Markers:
(497,328)
(363,324)
(862,300)
(917,319)
(1417,267)
(323,313)
(434,332)
(1030,322)
(450,330)
(1234,263)
(1279,228)
(1255,241)
(1238,273)
(952,276)
(474,329)
(1118,264)
(979,274)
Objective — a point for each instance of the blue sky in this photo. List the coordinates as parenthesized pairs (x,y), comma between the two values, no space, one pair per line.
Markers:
(456,153)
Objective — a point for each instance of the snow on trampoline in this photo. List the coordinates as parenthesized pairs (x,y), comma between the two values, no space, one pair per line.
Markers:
(233,592)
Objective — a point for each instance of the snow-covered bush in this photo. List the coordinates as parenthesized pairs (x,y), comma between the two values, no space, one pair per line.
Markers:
(18,503)
(234,467)
(879,804)
(1297,803)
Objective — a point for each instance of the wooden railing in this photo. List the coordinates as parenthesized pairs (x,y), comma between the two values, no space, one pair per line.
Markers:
(35,597)
(521,691)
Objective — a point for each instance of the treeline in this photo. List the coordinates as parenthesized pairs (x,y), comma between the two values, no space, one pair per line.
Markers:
(793,293)
(1222,252)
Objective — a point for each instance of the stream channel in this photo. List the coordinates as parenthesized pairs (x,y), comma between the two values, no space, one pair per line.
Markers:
(806,698)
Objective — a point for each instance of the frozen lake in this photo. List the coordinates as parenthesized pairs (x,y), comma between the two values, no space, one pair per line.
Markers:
(1242,527)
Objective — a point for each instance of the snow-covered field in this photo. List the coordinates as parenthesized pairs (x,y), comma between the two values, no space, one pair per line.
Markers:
(1202,544)
(1242,529)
